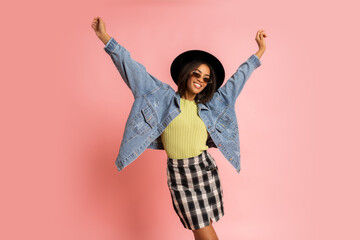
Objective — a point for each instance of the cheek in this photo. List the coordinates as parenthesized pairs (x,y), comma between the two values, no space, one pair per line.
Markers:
(189,83)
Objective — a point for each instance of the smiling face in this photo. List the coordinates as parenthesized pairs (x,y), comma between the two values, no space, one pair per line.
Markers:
(196,85)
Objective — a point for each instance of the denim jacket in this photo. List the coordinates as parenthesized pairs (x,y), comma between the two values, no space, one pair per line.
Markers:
(156,104)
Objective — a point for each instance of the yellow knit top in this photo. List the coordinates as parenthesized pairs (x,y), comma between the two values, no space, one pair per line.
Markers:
(186,135)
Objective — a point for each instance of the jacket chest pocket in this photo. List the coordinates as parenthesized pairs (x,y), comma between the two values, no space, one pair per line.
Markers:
(227,127)
(145,120)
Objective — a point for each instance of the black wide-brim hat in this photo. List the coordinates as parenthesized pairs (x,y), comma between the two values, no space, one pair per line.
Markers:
(191,55)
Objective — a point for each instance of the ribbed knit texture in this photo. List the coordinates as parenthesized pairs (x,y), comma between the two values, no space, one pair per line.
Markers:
(186,134)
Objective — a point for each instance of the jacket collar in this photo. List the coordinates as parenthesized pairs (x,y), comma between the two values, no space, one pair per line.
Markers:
(202,106)
(177,99)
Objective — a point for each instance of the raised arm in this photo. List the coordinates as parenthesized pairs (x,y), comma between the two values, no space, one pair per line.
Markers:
(232,88)
(132,72)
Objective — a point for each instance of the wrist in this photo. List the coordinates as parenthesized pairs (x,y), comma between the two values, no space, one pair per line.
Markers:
(259,53)
(104,37)
(261,49)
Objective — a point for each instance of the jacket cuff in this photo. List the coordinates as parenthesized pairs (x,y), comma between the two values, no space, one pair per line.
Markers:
(255,60)
(110,46)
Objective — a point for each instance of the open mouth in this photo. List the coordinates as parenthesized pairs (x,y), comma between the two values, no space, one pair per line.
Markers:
(198,86)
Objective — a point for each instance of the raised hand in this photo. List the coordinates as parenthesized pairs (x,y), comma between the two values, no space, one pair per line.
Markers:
(99,27)
(260,40)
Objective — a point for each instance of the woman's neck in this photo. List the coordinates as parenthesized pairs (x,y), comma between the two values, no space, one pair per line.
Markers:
(190,97)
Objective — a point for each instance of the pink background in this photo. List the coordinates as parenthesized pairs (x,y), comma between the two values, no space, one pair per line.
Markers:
(64,108)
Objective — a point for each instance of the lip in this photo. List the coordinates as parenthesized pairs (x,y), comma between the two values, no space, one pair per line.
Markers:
(199,84)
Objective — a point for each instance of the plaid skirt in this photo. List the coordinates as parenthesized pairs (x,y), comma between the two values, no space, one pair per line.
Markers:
(195,190)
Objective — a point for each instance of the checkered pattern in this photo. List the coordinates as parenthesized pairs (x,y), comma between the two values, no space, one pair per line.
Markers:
(195,190)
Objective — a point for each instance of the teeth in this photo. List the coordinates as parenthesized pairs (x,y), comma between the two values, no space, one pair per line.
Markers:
(197,85)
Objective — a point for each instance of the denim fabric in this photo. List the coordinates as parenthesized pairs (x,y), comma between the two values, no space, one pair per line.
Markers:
(156,104)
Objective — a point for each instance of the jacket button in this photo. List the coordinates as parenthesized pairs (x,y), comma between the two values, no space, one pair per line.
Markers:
(230,159)
(219,145)
(208,126)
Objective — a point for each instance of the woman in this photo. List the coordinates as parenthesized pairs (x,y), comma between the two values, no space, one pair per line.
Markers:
(187,129)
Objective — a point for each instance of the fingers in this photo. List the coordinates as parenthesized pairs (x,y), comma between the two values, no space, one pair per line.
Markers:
(95,23)
(257,35)
(261,33)
(96,19)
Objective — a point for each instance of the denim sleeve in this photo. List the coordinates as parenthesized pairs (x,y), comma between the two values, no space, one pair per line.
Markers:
(133,73)
(232,88)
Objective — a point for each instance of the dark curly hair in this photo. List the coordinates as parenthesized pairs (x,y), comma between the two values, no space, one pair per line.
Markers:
(207,93)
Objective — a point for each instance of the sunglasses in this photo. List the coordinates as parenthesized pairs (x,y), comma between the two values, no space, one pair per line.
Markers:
(198,75)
